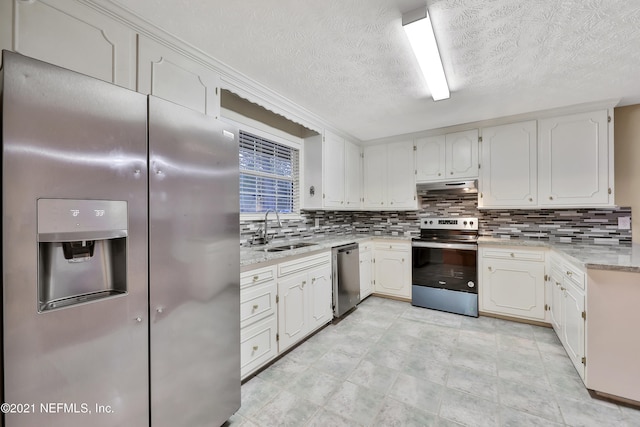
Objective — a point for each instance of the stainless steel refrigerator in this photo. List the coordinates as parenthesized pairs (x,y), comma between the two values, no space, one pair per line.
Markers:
(120,255)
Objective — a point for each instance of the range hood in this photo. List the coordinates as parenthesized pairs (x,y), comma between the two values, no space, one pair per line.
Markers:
(459,187)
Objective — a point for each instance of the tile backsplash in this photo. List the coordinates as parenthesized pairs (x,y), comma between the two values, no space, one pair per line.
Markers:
(598,226)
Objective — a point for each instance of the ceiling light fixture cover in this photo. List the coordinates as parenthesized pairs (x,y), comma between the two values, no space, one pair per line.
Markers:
(417,25)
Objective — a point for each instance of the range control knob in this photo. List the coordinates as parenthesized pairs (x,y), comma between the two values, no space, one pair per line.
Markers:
(471,223)
(430,222)
(471,284)
(465,223)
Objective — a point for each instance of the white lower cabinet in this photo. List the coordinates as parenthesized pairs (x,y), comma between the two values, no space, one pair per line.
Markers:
(366,270)
(304,297)
(258,321)
(392,269)
(320,297)
(293,313)
(567,309)
(512,282)
(257,345)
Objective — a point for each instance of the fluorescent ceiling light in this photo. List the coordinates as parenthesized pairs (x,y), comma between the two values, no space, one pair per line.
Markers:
(417,25)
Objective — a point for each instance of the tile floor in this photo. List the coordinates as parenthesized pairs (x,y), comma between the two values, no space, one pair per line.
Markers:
(391,364)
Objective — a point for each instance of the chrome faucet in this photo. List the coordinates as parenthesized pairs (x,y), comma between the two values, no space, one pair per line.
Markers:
(266,224)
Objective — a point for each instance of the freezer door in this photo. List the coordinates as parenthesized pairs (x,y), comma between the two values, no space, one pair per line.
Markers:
(78,146)
(194,267)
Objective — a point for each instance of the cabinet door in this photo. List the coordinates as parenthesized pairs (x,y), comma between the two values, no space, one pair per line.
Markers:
(319,291)
(352,175)
(167,74)
(76,37)
(573,156)
(333,162)
(430,158)
(573,324)
(514,288)
(392,272)
(401,178)
(375,176)
(557,301)
(462,154)
(366,273)
(508,175)
(292,310)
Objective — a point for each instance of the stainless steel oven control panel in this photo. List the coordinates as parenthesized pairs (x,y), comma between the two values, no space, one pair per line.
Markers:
(458,223)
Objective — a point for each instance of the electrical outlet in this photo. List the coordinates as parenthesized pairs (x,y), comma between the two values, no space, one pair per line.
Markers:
(624,223)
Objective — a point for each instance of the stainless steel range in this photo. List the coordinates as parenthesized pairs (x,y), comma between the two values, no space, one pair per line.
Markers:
(445,265)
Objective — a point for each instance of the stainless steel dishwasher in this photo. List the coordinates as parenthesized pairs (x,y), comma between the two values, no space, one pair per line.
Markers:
(346,278)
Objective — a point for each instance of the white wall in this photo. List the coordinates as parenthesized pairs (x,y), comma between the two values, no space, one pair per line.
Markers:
(627,162)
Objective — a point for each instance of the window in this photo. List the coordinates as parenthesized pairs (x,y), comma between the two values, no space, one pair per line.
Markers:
(268,176)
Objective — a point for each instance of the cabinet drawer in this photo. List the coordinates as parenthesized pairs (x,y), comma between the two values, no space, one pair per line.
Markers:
(574,274)
(300,264)
(255,277)
(515,254)
(257,302)
(363,247)
(568,270)
(404,247)
(258,345)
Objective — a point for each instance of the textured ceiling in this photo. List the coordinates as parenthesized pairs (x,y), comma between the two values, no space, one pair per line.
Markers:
(348,61)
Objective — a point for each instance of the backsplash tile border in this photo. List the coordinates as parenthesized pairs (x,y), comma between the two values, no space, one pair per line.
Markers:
(596,226)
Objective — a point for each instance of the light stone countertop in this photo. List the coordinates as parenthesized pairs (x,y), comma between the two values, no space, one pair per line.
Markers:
(598,257)
(256,256)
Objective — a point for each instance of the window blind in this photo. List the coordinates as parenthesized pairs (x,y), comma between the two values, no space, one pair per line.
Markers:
(268,175)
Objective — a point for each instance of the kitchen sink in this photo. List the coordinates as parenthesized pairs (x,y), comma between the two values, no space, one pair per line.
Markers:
(289,247)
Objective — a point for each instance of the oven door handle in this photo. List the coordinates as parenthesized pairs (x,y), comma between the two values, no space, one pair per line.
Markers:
(462,246)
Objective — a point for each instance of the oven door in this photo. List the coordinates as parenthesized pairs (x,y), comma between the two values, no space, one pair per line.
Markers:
(449,266)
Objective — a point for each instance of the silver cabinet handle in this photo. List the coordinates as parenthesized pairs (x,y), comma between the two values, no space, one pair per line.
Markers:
(550,197)
(489,268)
(255,307)
(255,278)
(313,280)
(512,255)
(139,319)
(569,273)
(255,348)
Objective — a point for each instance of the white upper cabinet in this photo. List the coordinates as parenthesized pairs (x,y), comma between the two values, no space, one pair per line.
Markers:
(575,160)
(332,168)
(389,176)
(446,157)
(374,181)
(168,74)
(333,172)
(74,36)
(352,175)
(462,154)
(430,158)
(508,172)
(401,177)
